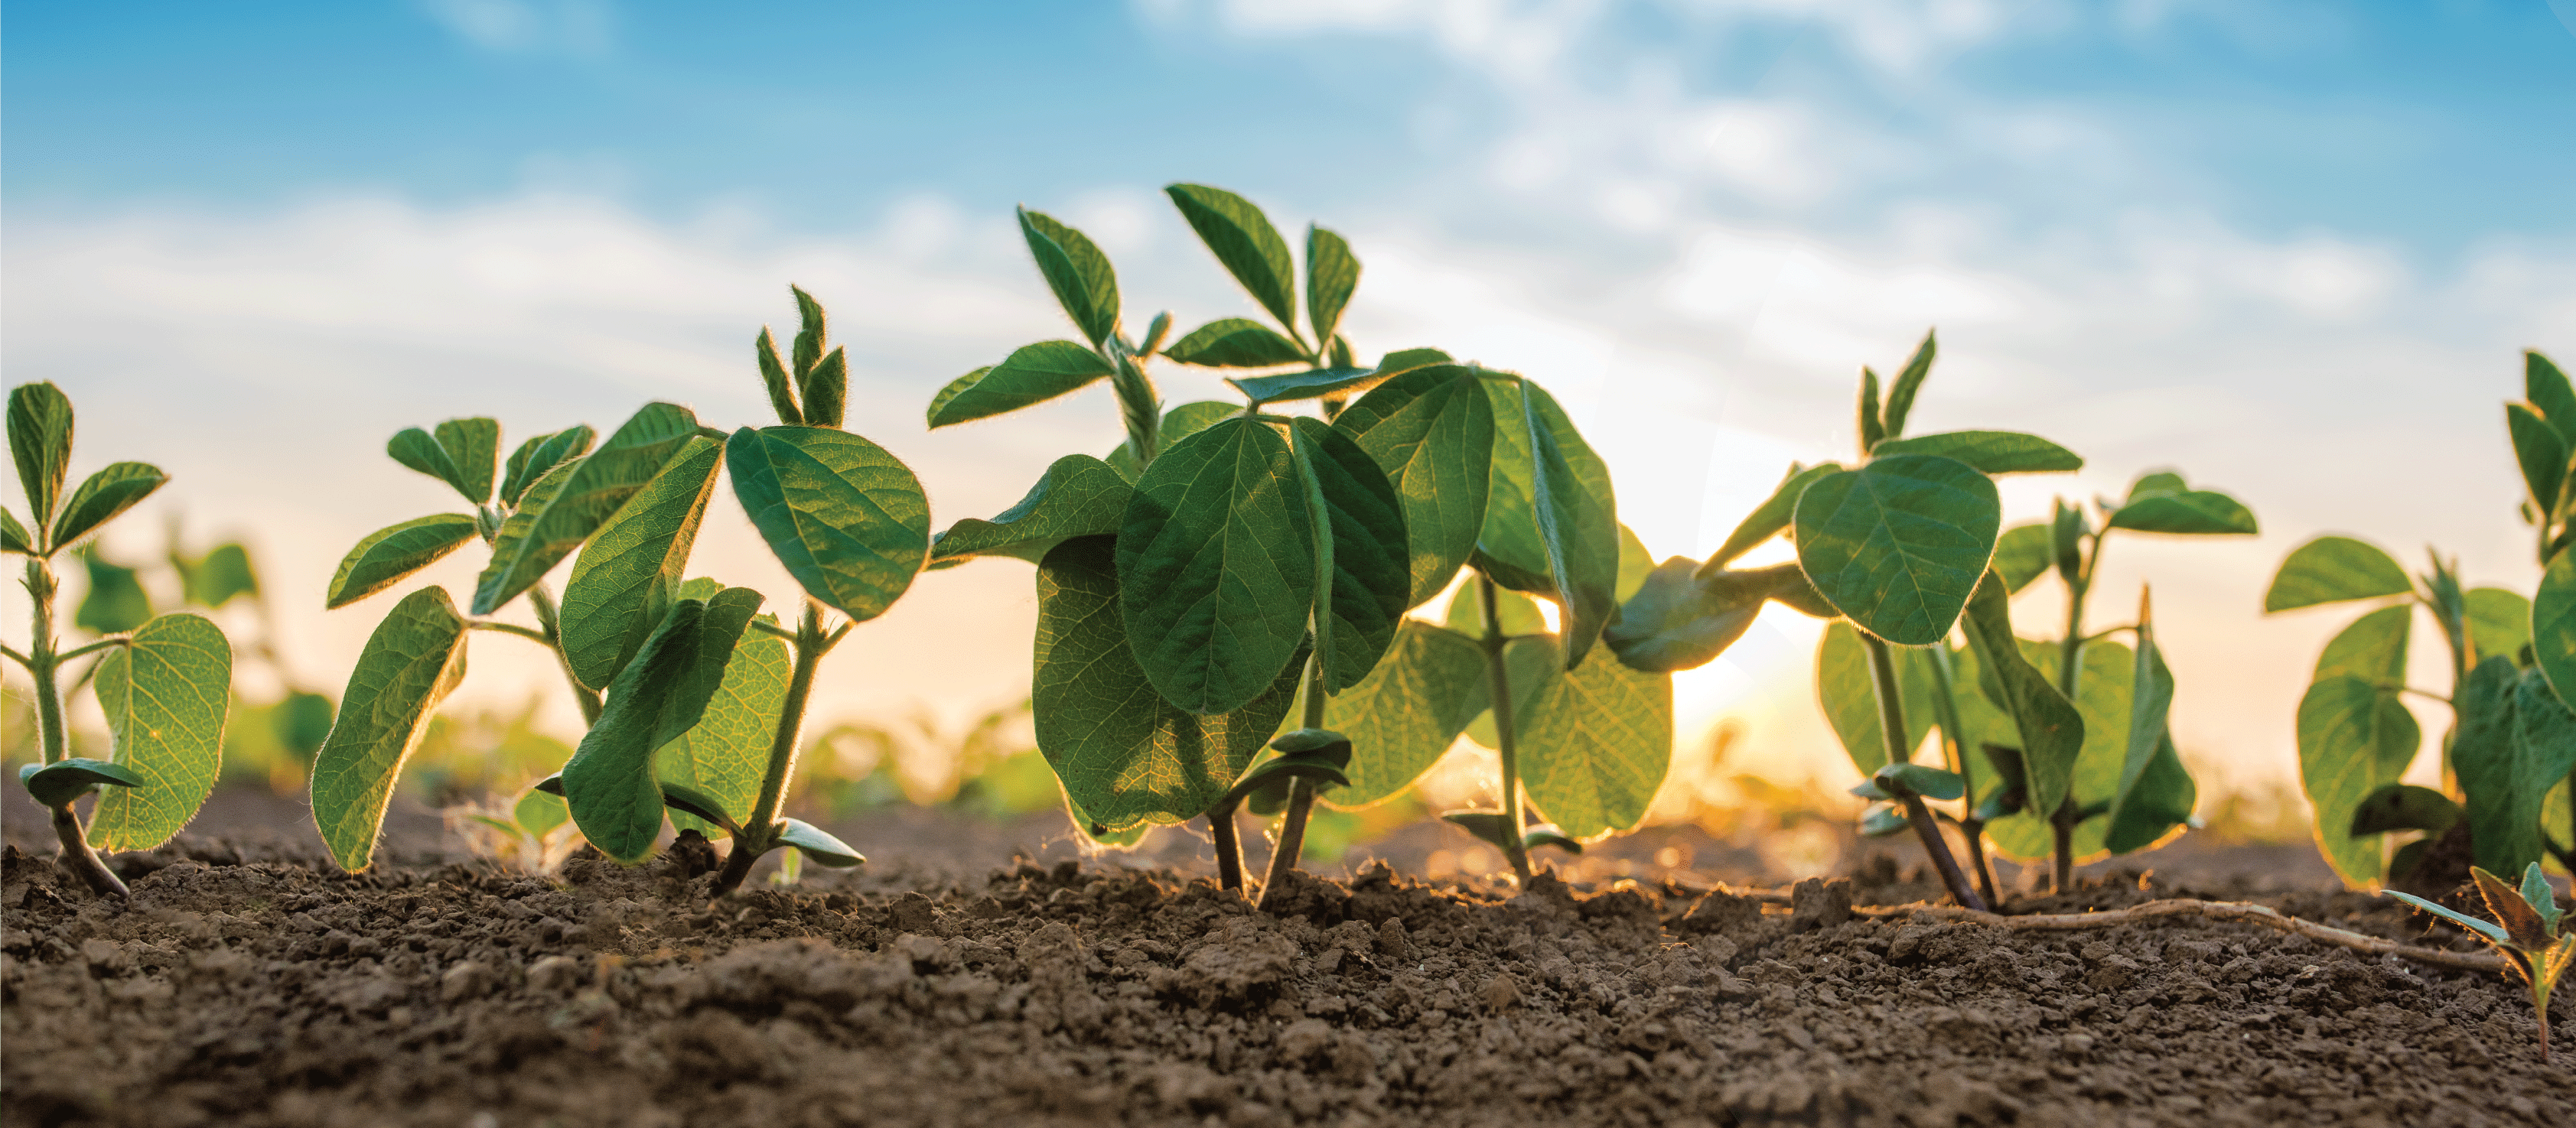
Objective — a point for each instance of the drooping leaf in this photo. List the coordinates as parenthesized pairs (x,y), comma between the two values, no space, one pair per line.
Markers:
(1288,387)
(1898,545)
(1178,423)
(2332,569)
(1772,516)
(539,456)
(2553,624)
(115,601)
(609,782)
(1919,779)
(1234,342)
(1076,271)
(165,694)
(2353,740)
(1990,452)
(539,536)
(409,664)
(396,551)
(1032,374)
(2102,701)
(1432,430)
(2499,621)
(1242,239)
(1363,586)
(2024,553)
(224,573)
(65,780)
(2404,806)
(1848,692)
(2541,451)
(813,842)
(847,518)
(1215,567)
(102,496)
(2373,649)
(2547,389)
(629,574)
(725,754)
(1596,745)
(1332,273)
(2052,730)
(1551,519)
(2187,512)
(2515,741)
(1078,496)
(40,441)
(1126,755)
(1908,384)
(2505,904)
(1407,712)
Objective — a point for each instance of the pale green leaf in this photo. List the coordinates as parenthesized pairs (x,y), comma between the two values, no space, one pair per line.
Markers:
(1404,716)
(2332,569)
(2373,649)
(165,694)
(409,664)
(396,551)
(1772,516)
(2499,622)
(2024,553)
(1596,744)
(2353,739)
(1848,693)
(727,752)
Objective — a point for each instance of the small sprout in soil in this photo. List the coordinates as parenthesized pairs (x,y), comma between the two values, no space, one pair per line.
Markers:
(2525,932)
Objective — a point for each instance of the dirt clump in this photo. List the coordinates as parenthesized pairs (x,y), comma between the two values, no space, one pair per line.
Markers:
(264,993)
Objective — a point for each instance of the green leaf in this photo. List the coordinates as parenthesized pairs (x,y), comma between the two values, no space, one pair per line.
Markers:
(1990,452)
(609,782)
(1235,342)
(538,813)
(539,456)
(59,783)
(2150,800)
(2515,741)
(1362,584)
(546,530)
(2473,924)
(2542,899)
(1432,429)
(2499,622)
(1898,545)
(811,330)
(629,574)
(223,574)
(2404,806)
(1215,567)
(827,390)
(1770,517)
(1636,562)
(2353,740)
(302,722)
(2553,624)
(773,375)
(1908,383)
(1125,754)
(1848,693)
(1551,519)
(14,536)
(473,448)
(2547,389)
(1288,387)
(2188,512)
(165,694)
(115,601)
(1075,269)
(1870,424)
(1883,820)
(726,753)
(396,551)
(1404,716)
(2024,553)
(1518,614)
(847,518)
(814,843)
(1595,745)
(409,664)
(1493,827)
(2541,450)
(1178,423)
(2373,649)
(1244,241)
(2332,569)
(1078,496)
(1401,361)
(419,450)
(1547,834)
(1332,273)
(2052,730)
(102,496)
(2102,700)
(1032,374)
(1531,663)
(2505,904)
(1919,779)
(40,440)
(1681,619)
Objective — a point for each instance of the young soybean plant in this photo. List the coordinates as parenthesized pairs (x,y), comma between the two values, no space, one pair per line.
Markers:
(694,701)
(164,685)
(2513,739)
(2525,932)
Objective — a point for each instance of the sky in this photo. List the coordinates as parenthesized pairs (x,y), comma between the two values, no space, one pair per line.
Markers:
(2291,248)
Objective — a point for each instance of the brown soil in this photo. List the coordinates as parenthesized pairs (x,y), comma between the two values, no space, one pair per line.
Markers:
(260,992)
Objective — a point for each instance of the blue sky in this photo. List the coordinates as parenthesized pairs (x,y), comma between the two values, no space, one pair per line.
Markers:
(2292,247)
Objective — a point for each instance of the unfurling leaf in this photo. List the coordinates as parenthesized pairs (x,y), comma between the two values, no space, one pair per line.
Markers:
(1907,385)
(411,662)
(165,694)
(813,842)
(539,456)
(40,441)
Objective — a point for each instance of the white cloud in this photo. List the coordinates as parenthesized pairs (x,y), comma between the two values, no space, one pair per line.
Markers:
(583,28)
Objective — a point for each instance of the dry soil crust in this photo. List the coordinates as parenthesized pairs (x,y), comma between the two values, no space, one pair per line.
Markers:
(264,993)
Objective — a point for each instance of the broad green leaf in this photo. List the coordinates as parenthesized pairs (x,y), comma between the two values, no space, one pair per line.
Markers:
(2547,389)
(2515,742)
(1332,273)
(409,664)
(2146,804)
(1314,383)
(1032,374)
(1078,496)
(2024,553)
(115,600)
(847,518)
(1362,585)
(609,783)
(2156,482)
(165,695)
(2542,452)
(1126,755)
(396,551)
(1235,342)
(1596,744)
(629,574)
(1990,452)
(539,456)
(2051,728)
(302,722)
(14,536)
(1551,519)
(1178,423)
(2189,512)
(473,448)
(827,390)
(1898,545)
(2499,622)
(102,496)
(1680,619)
(2483,928)
(1772,516)
(2332,569)
(1243,240)
(66,780)
(2553,624)
(813,842)
(773,375)
(595,488)
(1432,429)
(539,812)
(1075,269)
(2373,649)
(2102,701)
(1216,571)
(727,752)
(1404,716)
(2353,740)
(1518,614)
(224,573)
(40,441)
(1848,692)
(2404,806)
(1908,384)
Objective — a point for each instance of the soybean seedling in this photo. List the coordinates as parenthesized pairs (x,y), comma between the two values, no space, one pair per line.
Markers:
(694,701)
(2525,932)
(165,684)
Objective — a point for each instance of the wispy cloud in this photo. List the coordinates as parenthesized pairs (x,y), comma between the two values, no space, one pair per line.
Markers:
(580,28)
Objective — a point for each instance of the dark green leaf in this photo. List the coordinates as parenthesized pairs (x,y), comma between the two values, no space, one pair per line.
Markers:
(2024,553)
(1401,361)
(539,456)
(2515,741)
(2553,624)
(1772,515)
(396,551)
(2373,648)
(1404,716)
(847,518)
(1079,274)
(2052,730)
(1243,240)
(1126,755)
(14,536)
(411,662)
(2068,526)
(539,536)
(223,574)
(1332,273)
(1546,834)
(702,811)
(1432,428)
(1849,695)
(473,448)
(1274,774)
(827,389)
(40,440)
(1178,423)
(1596,743)
(115,600)
(773,375)
(2541,450)
(824,849)
(661,695)
(2353,739)
(102,496)
(2189,512)
(165,695)
(1215,567)
(1990,452)
(1362,584)
(726,754)
(1872,427)
(2148,802)
(1032,374)
(2332,569)
(1899,544)
(420,450)
(1681,620)
(1288,387)
(59,783)
(811,332)
(2499,622)
(1908,384)
(2546,387)
(1078,496)
(629,574)
(2404,806)
(1235,342)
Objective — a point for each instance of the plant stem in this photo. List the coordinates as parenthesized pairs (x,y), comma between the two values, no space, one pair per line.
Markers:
(1229,847)
(80,859)
(760,831)
(1301,793)
(1945,700)
(1498,676)
(2070,673)
(551,619)
(1929,830)
(42,664)
(1891,725)
(2061,825)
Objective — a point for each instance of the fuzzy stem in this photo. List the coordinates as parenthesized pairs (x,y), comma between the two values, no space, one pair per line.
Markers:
(43,662)
(2070,673)
(80,859)
(550,619)
(760,831)
(2061,826)
(1499,680)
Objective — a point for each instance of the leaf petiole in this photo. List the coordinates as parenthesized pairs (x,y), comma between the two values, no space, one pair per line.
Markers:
(537,636)
(102,644)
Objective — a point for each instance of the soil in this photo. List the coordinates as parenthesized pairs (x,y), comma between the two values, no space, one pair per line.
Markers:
(235,988)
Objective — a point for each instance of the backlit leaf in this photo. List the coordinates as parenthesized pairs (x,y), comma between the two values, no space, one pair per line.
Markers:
(539,536)
(2353,739)
(473,448)
(1215,572)
(1332,273)
(2188,512)
(817,844)
(2553,624)
(1551,519)
(1178,423)
(726,753)
(1517,614)
(2514,743)
(2052,730)
(1899,544)
(1680,619)
(396,551)
(409,664)
(629,574)
(2102,701)
(1076,271)
(827,390)
(1596,745)
(1990,452)
(1032,374)
(2373,649)
(2332,569)
(847,519)
(1907,385)
(2499,622)
(1235,342)
(539,456)
(1432,430)
(224,573)
(1288,387)
(14,536)
(165,695)
(65,780)
(1848,692)
(1772,516)
(1243,240)
(40,441)
(115,600)
(773,375)
(1404,716)
(609,782)
(2024,553)
(1078,496)
(2150,799)
(1359,534)
(102,496)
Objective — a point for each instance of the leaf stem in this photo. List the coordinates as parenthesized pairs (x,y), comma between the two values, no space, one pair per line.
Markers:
(760,831)
(550,618)
(2070,671)
(773,630)
(1498,676)
(11,653)
(1891,724)
(512,629)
